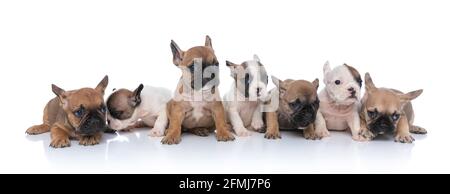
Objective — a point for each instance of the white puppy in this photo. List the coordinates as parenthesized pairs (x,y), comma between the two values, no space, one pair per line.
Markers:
(339,101)
(143,107)
(244,100)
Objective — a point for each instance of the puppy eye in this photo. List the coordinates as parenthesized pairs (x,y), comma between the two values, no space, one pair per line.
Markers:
(372,114)
(103,109)
(192,68)
(79,112)
(395,116)
(337,82)
(295,105)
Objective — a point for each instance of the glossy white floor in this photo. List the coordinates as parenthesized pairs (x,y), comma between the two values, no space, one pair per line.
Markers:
(135,152)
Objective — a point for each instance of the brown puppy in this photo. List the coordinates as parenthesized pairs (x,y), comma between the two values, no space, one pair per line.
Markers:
(388,111)
(196,105)
(77,114)
(297,107)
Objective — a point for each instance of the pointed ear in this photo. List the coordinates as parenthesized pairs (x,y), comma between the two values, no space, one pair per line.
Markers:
(102,85)
(280,85)
(176,52)
(256,58)
(370,86)
(410,96)
(316,83)
(60,93)
(208,42)
(231,65)
(136,96)
(326,68)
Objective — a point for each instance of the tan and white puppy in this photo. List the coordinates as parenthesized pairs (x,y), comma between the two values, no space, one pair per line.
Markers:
(196,105)
(293,105)
(388,111)
(143,107)
(339,101)
(76,114)
(248,91)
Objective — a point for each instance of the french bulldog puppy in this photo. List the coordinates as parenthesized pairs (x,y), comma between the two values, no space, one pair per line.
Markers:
(298,104)
(339,101)
(76,114)
(388,111)
(248,91)
(143,107)
(196,105)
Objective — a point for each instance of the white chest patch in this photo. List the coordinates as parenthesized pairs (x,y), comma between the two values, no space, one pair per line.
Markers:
(197,110)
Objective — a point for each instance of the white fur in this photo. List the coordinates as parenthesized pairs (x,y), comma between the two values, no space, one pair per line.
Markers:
(337,111)
(151,111)
(246,112)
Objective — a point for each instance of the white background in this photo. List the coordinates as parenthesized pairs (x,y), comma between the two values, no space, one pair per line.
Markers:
(403,44)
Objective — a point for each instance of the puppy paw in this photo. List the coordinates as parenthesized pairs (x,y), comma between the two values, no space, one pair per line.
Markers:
(60,143)
(202,132)
(37,129)
(418,130)
(272,135)
(310,134)
(243,132)
(366,134)
(404,138)
(171,139)
(257,125)
(90,140)
(156,132)
(322,133)
(359,138)
(224,135)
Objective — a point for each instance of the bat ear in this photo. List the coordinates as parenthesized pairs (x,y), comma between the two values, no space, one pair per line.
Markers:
(176,52)
(60,93)
(102,85)
(256,58)
(370,86)
(316,83)
(135,99)
(280,84)
(410,96)
(208,42)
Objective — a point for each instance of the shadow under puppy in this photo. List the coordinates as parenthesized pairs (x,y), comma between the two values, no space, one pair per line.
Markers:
(196,105)
(339,101)
(294,105)
(76,114)
(388,111)
(143,107)
(247,93)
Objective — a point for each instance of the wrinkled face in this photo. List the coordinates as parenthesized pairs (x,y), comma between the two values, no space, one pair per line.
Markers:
(299,100)
(85,111)
(343,84)
(122,108)
(85,108)
(251,79)
(199,65)
(382,111)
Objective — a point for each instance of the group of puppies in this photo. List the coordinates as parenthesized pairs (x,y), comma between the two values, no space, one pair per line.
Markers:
(197,107)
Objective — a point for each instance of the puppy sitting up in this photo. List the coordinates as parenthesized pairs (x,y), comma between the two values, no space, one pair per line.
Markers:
(339,101)
(243,101)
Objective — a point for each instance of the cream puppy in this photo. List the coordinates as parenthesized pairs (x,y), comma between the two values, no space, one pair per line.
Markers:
(244,100)
(143,107)
(339,101)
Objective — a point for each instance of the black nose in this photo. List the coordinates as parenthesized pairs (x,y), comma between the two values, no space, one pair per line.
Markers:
(258,90)
(351,89)
(108,121)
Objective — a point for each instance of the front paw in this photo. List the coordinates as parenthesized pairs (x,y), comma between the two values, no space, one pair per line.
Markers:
(310,134)
(418,130)
(60,143)
(257,125)
(90,140)
(321,133)
(360,138)
(366,134)
(272,135)
(156,132)
(242,132)
(224,135)
(404,138)
(171,139)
